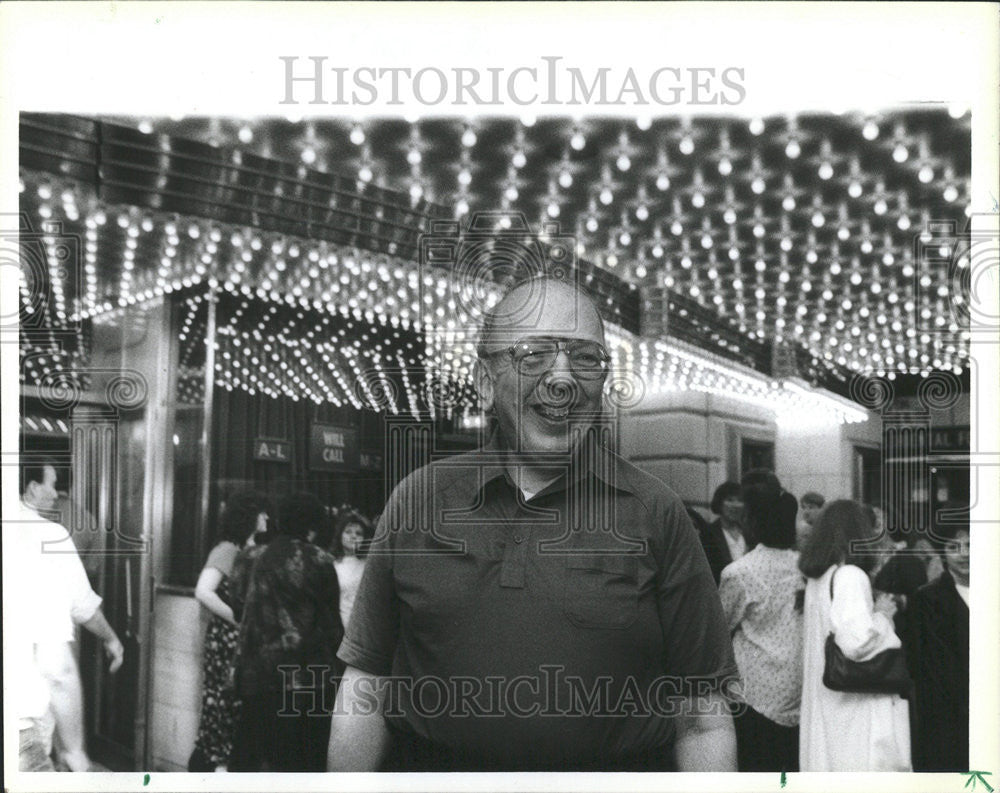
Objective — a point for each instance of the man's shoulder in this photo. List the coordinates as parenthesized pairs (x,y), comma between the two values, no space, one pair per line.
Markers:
(36,525)
(649,489)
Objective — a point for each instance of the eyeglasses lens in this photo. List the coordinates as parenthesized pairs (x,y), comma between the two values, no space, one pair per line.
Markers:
(587,359)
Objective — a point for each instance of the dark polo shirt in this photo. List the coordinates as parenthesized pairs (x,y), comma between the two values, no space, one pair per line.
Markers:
(561,632)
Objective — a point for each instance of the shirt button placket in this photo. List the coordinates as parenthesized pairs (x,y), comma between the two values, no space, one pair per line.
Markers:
(514,561)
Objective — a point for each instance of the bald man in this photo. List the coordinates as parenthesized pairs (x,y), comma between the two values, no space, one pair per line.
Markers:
(538,604)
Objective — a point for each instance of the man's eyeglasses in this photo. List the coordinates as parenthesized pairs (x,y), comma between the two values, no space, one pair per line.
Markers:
(588,360)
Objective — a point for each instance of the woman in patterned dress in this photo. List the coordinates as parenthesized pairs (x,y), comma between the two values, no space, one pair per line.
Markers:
(244,515)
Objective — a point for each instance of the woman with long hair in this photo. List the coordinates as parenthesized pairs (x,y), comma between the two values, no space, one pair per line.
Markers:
(847,731)
(243,516)
(351,534)
(289,635)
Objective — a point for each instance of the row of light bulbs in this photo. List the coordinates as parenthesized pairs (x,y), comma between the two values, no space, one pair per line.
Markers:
(381,289)
(321,370)
(621,155)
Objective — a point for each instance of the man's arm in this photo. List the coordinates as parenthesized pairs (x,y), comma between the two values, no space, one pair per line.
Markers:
(706,738)
(359,737)
(99,626)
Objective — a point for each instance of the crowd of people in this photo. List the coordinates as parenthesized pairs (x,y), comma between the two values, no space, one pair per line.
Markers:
(796,575)
(279,594)
(545,606)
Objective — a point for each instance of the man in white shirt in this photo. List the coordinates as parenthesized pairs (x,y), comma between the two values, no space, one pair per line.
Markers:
(46,583)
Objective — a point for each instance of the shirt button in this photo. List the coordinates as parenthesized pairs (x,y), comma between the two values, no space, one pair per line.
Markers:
(518,539)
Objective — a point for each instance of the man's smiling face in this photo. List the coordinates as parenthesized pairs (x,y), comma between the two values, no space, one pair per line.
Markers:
(535,412)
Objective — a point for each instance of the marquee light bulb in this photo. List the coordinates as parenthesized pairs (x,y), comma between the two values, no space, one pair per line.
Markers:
(578,141)
(870,130)
(793,149)
(565,179)
(686,145)
(662,182)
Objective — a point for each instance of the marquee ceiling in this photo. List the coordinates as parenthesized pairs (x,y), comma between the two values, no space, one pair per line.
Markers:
(836,238)
(803,227)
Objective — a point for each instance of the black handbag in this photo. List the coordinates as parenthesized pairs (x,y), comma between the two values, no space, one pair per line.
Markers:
(884,673)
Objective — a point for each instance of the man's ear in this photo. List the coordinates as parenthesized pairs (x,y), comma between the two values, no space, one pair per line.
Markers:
(483,380)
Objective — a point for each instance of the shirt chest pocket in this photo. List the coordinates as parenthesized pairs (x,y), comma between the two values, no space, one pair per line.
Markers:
(601,591)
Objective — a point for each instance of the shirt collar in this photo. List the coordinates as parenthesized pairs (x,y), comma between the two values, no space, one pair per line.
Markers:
(591,459)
